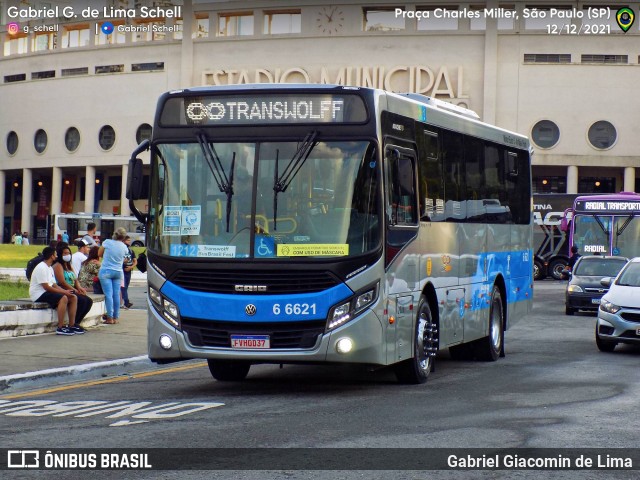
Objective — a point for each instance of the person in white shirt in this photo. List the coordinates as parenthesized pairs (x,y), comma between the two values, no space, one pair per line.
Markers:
(43,288)
(80,256)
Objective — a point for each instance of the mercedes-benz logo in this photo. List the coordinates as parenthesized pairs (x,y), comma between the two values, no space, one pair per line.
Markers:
(250,309)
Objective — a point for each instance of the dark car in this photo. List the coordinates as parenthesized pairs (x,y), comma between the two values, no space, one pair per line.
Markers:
(584,290)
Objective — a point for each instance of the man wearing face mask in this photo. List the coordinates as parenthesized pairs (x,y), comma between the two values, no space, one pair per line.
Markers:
(67,279)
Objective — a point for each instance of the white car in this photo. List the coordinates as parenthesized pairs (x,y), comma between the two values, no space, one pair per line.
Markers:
(619,312)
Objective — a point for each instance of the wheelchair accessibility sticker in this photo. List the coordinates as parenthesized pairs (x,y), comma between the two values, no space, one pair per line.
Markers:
(264,247)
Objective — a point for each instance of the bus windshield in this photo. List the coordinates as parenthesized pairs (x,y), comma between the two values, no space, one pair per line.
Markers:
(281,200)
(626,236)
(592,233)
(607,235)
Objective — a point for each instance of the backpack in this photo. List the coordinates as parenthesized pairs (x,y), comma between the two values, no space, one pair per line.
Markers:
(142,262)
(31,264)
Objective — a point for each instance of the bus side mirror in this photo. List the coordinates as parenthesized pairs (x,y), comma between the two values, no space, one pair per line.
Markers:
(135,177)
(564,224)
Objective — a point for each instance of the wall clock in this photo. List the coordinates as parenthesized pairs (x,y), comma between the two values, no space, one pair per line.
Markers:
(330,20)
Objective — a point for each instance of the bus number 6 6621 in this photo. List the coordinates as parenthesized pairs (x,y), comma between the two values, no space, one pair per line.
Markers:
(295,308)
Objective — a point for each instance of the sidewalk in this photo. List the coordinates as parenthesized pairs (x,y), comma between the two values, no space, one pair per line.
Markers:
(102,348)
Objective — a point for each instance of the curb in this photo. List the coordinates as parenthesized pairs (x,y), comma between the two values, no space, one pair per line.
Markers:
(102,368)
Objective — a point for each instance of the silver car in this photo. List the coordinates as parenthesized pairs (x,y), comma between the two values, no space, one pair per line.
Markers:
(619,312)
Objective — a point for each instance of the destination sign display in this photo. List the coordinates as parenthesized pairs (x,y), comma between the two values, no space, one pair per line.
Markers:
(266,108)
(611,206)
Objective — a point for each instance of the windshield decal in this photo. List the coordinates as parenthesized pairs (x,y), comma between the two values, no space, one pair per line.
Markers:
(171,221)
(312,250)
(190,224)
(208,251)
(182,220)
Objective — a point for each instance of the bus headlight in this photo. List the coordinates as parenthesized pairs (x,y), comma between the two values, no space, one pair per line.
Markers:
(155,296)
(165,307)
(339,315)
(348,309)
(170,308)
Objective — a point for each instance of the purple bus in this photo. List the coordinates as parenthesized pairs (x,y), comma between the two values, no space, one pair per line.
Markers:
(605,224)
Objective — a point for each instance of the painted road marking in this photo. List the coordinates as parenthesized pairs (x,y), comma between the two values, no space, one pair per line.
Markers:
(138,412)
(92,383)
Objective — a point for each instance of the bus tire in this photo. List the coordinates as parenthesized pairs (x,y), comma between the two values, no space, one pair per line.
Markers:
(538,270)
(137,243)
(491,347)
(416,369)
(556,267)
(228,370)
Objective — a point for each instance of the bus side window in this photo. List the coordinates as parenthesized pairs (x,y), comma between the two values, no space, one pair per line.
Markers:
(402,192)
(430,179)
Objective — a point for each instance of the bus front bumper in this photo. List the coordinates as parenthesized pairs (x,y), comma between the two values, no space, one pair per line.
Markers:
(167,344)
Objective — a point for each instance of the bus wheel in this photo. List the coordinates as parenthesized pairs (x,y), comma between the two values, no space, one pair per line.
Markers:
(416,370)
(228,370)
(491,347)
(538,270)
(137,243)
(556,267)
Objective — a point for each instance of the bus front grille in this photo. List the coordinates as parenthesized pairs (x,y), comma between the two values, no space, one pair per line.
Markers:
(207,333)
(276,281)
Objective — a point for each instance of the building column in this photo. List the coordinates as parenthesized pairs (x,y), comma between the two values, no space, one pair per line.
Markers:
(490,93)
(27,200)
(572,179)
(3,179)
(629,179)
(56,190)
(89,189)
(186,64)
(124,201)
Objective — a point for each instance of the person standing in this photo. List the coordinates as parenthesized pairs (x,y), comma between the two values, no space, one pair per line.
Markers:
(43,288)
(80,256)
(18,238)
(112,253)
(128,265)
(574,257)
(25,238)
(91,232)
(65,237)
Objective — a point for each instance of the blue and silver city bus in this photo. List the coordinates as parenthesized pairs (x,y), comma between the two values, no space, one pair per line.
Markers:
(331,224)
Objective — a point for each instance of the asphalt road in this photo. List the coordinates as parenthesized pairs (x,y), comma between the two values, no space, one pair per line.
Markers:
(553,390)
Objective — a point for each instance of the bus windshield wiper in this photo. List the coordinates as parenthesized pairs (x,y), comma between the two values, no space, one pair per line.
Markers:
(224,182)
(621,229)
(602,227)
(282,182)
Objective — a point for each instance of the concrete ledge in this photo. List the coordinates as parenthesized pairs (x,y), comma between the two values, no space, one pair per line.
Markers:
(24,317)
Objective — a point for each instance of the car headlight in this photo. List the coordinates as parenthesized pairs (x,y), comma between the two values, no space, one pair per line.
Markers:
(574,289)
(607,306)
(348,309)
